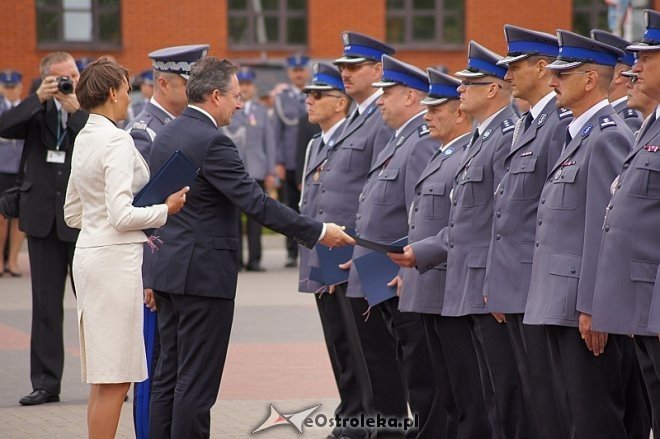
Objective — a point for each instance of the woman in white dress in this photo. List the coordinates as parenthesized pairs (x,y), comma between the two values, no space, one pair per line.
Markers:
(106,170)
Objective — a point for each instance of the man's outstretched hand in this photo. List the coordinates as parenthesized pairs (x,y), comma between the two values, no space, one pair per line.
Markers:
(335,236)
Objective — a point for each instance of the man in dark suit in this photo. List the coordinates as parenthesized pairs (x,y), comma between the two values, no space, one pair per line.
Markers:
(48,121)
(569,226)
(196,268)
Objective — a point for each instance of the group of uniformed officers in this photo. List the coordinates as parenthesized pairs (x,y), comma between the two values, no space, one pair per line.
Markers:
(526,303)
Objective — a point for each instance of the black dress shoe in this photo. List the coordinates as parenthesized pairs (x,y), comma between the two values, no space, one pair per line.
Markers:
(257,268)
(291,262)
(39,396)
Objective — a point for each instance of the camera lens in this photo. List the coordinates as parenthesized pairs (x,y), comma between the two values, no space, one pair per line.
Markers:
(65,85)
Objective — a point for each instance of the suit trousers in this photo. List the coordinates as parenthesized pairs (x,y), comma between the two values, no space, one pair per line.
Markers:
(407,329)
(594,385)
(384,380)
(291,198)
(253,232)
(546,418)
(194,336)
(648,355)
(348,366)
(50,262)
(500,379)
(456,376)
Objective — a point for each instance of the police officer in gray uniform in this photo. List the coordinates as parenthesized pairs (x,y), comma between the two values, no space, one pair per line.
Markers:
(342,178)
(454,363)
(252,132)
(617,94)
(568,232)
(383,216)
(289,108)
(537,143)
(327,106)
(464,243)
(630,248)
(171,68)
(145,85)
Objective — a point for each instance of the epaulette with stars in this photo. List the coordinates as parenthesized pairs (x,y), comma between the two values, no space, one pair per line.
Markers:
(507,125)
(606,121)
(564,113)
(423,130)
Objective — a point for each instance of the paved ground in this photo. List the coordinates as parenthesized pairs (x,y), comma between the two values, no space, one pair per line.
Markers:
(276,355)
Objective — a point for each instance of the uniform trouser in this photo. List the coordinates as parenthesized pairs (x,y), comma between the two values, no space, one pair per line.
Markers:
(384,381)
(594,385)
(542,405)
(142,390)
(407,329)
(500,379)
(50,262)
(194,336)
(648,355)
(456,375)
(637,417)
(291,199)
(253,233)
(348,366)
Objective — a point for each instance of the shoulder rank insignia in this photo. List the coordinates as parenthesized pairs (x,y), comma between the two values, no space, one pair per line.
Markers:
(652,148)
(564,113)
(139,126)
(526,154)
(587,130)
(542,118)
(628,113)
(319,134)
(607,121)
(487,134)
(507,125)
(423,130)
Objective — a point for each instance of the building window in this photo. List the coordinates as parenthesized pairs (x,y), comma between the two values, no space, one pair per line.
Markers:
(267,24)
(425,23)
(78,23)
(589,14)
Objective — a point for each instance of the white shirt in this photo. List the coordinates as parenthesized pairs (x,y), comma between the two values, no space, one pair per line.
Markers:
(618,101)
(576,125)
(157,104)
(201,110)
(540,105)
(398,131)
(657,112)
(482,126)
(443,147)
(328,134)
(364,105)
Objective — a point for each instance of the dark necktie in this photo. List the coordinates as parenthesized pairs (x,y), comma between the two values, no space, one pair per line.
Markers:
(474,138)
(568,140)
(528,120)
(354,117)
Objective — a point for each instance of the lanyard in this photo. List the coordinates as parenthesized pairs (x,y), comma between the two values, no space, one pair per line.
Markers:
(60,134)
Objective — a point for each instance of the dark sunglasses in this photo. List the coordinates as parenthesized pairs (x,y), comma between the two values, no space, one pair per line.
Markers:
(318,95)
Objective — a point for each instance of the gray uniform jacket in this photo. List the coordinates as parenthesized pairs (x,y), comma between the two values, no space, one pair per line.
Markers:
(464,243)
(252,132)
(389,191)
(311,190)
(570,221)
(144,127)
(428,214)
(349,160)
(288,107)
(532,155)
(10,149)
(630,247)
(631,117)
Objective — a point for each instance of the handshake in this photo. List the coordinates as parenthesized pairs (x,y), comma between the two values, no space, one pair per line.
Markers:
(335,236)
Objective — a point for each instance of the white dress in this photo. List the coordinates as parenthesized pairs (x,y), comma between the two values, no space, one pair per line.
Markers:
(106,170)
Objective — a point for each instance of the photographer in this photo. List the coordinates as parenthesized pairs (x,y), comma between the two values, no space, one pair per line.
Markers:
(48,121)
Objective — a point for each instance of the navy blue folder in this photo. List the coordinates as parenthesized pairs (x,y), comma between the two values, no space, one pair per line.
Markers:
(376,270)
(329,272)
(177,173)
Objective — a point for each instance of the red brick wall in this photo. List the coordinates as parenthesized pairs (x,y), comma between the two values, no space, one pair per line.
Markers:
(151,24)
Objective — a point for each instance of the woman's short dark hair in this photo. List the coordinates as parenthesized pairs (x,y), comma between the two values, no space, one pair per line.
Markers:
(96,81)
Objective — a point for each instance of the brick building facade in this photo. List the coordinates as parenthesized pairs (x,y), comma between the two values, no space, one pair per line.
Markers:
(150,24)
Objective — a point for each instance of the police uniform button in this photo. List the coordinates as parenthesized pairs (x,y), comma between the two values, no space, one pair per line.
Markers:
(454,203)
(540,222)
(501,190)
(430,189)
(412,227)
(416,209)
(323,190)
(522,167)
(358,216)
(498,214)
(304,201)
(419,192)
(607,227)
(573,270)
(538,243)
(618,186)
(430,266)
(507,169)
(626,165)
(498,237)
(321,211)
(542,200)
(451,245)
(451,223)
(610,206)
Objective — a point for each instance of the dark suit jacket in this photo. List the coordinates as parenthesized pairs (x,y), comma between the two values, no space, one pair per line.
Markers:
(198,254)
(44,185)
